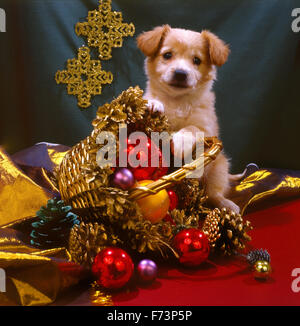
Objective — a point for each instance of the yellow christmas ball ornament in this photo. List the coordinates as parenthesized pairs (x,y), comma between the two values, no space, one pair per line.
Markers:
(153,207)
(262,270)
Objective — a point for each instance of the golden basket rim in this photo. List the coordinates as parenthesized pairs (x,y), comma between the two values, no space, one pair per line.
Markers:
(88,195)
(181,173)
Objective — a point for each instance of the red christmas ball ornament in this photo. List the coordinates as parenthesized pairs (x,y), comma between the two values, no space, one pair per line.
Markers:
(112,267)
(161,170)
(173,199)
(145,170)
(192,246)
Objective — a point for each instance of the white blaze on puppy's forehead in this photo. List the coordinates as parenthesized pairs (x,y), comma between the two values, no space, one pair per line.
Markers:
(182,40)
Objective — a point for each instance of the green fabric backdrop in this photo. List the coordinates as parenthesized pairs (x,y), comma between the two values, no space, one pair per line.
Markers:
(257,89)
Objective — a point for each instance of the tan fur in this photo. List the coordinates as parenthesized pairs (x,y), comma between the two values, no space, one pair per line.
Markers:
(149,42)
(192,107)
(218,50)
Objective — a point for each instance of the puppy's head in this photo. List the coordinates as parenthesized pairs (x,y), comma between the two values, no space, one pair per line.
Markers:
(181,61)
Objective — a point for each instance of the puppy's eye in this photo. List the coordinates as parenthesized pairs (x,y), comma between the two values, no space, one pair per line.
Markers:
(167,55)
(197,61)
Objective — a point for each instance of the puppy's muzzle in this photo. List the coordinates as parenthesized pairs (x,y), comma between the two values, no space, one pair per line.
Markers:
(179,78)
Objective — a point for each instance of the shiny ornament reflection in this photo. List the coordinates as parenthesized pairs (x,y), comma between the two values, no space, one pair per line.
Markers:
(147,270)
(113,268)
(262,270)
(154,207)
(192,246)
(123,178)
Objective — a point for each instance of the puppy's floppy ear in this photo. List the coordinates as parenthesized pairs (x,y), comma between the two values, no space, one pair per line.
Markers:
(150,42)
(218,51)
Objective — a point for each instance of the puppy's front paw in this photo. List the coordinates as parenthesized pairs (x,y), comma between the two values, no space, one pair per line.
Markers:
(222,202)
(182,141)
(155,105)
(232,206)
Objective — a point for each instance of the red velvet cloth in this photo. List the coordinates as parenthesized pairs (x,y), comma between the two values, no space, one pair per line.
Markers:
(230,282)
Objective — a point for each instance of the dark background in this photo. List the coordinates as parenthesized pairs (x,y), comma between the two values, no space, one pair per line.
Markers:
(257,89)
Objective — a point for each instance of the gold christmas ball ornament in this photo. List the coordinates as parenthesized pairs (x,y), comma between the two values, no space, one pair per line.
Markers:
(153,207)
(262,270)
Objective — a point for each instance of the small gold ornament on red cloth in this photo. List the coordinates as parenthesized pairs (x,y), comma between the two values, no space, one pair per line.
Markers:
(262,270)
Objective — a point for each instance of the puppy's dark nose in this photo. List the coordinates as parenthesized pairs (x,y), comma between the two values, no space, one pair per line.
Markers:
(180,75)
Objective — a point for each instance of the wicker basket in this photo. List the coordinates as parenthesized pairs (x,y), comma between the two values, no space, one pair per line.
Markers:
(81,187)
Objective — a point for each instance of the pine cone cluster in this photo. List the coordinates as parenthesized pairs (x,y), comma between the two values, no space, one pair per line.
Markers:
(131,109)
(148,237)
(128,108)
(153,121)
(87,239)
(113,206)
(226,231)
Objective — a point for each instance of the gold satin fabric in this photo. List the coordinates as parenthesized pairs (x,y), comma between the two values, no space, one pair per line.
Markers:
(20,195)
(33,276)
(37,277)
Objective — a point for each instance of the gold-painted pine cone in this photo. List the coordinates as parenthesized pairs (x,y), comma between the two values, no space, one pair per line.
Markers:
(226,231)
(192,197)
(183,220)
(148,237)
(87,239)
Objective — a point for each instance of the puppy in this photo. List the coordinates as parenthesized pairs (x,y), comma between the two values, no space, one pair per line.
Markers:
(181,69)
